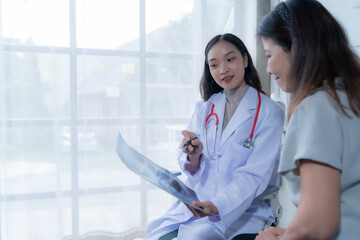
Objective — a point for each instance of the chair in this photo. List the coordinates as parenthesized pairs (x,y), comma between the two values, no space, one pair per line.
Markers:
(271,193)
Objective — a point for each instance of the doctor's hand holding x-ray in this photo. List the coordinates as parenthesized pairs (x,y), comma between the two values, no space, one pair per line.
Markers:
(194,150)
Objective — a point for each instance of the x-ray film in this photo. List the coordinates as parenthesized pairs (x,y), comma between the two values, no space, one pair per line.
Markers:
(155,174)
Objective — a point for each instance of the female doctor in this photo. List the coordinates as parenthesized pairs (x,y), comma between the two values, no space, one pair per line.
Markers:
(235,155)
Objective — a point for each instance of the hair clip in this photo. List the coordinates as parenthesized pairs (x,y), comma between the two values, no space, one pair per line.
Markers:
(284,13)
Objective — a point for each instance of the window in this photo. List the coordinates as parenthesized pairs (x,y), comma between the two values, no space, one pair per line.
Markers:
(75,73)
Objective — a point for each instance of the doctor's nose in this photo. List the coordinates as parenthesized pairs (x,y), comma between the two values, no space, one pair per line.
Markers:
(224,69)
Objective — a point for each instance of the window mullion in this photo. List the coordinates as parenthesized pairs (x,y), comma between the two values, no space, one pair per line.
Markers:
(143,112)
(73,119)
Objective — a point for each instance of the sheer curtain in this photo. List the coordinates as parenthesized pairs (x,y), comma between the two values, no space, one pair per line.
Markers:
(73,74)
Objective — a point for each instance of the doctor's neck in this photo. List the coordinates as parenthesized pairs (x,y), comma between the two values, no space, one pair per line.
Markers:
(231,93)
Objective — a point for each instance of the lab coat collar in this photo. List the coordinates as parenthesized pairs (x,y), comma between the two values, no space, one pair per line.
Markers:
(243,112)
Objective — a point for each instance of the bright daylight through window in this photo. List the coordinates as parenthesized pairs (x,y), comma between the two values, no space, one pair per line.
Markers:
(73,75)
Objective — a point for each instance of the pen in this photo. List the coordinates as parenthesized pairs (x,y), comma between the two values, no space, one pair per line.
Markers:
(188,142)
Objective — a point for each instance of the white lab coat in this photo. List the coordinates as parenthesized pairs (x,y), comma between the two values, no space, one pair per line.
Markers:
(235,176)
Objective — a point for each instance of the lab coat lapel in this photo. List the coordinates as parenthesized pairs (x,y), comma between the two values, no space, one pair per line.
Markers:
(243,112)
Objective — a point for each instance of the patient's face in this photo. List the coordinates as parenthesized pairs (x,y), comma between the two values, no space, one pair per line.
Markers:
(278,64)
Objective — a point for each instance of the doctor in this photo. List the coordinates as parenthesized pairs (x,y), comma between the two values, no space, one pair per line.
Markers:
(235,154)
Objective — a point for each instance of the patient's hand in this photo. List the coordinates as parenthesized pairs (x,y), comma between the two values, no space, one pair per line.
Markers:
(272,233)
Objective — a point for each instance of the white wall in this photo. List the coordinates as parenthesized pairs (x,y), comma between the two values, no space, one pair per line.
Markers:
(348,14)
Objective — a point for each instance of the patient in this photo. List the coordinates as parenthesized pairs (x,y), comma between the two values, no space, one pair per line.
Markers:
(310,57)
(235,155)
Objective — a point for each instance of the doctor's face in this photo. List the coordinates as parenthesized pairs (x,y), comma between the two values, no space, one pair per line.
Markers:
(227,65)
(278,64)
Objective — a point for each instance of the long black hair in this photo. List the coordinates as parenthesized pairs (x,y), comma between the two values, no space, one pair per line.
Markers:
(208,86)
(319,49)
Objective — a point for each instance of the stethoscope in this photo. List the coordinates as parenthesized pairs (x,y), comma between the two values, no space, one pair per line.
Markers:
(248,143)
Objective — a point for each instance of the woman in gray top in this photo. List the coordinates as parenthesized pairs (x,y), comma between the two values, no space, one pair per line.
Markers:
(309,56)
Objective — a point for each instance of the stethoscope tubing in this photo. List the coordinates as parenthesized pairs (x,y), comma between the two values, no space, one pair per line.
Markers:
(248,142)
(256,116)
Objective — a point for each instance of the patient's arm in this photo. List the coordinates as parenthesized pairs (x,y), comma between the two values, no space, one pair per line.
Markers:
(318,213)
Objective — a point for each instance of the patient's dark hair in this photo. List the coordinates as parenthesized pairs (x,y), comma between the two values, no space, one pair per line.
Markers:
(319,49)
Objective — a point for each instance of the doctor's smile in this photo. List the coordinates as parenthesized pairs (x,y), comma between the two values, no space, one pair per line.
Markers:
(227,79)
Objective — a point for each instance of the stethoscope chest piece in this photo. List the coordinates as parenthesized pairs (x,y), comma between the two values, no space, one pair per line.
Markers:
(248,144)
